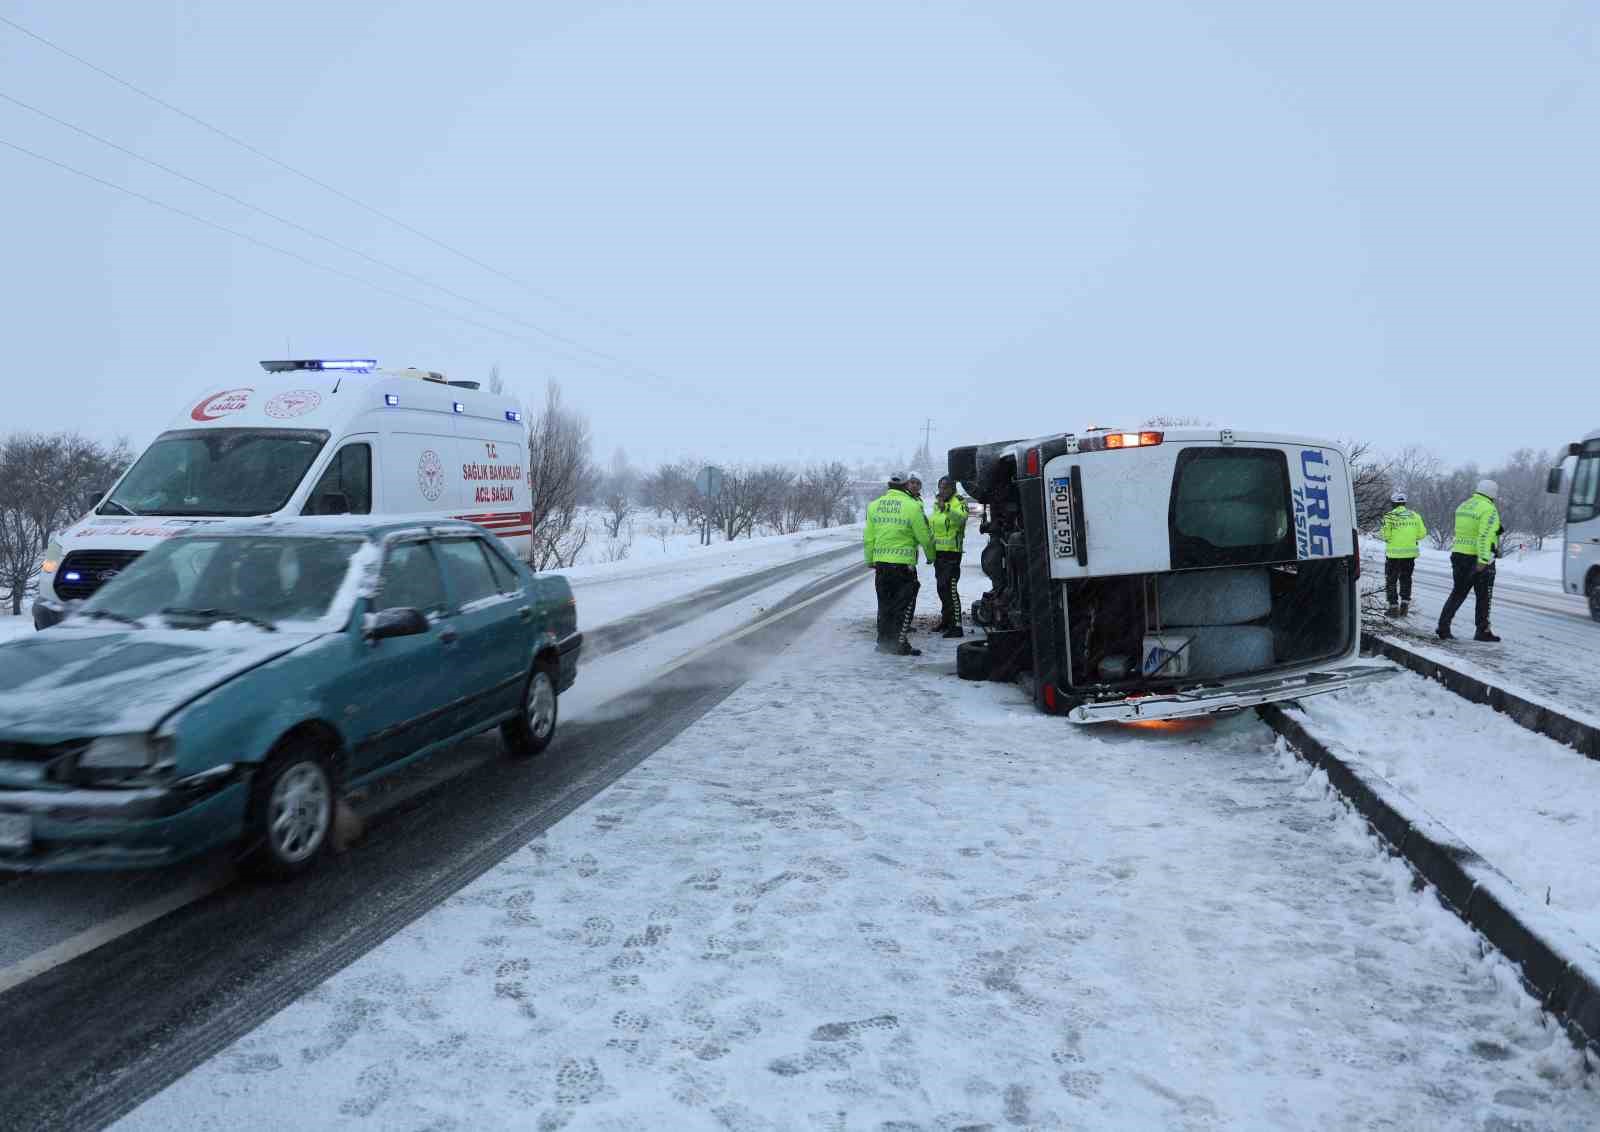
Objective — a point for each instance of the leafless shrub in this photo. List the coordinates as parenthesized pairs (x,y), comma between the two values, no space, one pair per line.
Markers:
(561,474)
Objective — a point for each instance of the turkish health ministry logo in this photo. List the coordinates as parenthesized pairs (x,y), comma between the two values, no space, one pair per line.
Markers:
(430,475)
(294,403)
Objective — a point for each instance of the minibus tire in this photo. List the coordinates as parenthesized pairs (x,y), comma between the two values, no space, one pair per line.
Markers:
(972,660)
(1594,598)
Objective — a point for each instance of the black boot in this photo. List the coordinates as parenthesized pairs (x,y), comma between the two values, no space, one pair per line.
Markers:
(905,649)
(1444,633)
(1486,635)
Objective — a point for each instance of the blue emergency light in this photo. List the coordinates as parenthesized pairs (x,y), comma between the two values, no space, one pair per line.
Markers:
(73,576)
(391,398)
(458,406)
(352,365)
(513,415)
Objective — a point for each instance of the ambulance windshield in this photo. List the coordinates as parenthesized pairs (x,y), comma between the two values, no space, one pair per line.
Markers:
(217,472)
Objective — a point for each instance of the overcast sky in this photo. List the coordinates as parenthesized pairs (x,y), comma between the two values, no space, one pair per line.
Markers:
(797,230)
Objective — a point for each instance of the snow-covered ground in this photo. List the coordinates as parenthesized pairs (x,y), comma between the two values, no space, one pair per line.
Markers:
(864,895)
(1520,557)
(1527,804)
(645,537)
(14,626)
(609,590)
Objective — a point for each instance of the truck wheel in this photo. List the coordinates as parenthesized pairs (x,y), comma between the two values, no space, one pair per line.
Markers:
(535,725)
(291,812)
(972,660)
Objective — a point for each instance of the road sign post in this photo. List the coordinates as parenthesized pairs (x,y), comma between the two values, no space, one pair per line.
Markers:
(708,483)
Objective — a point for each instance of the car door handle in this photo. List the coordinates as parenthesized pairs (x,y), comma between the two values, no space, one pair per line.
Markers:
(448,636)
(525,612)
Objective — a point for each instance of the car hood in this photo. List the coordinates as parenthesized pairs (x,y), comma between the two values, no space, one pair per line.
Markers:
(69,683)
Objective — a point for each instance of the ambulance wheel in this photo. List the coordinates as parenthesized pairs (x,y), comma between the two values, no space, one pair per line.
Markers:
(972,660)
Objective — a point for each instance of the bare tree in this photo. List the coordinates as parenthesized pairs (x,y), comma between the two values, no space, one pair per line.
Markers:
(1525,507)
(1371,479)
(561,475)
(827,492)
(497,384)
(46,481)
(749,495)
(617,506)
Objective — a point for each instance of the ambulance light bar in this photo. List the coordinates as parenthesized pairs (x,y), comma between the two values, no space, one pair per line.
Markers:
(355,365)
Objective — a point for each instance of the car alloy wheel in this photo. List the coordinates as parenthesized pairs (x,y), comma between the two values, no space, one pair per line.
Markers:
(299,812)
(541,706)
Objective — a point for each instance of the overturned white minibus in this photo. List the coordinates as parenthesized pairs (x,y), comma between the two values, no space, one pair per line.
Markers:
(1162,574)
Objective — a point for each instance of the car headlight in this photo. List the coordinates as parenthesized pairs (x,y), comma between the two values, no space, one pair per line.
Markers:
(52,558)
(118,752)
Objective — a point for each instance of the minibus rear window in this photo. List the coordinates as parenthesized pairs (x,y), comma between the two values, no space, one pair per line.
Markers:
(1230,507)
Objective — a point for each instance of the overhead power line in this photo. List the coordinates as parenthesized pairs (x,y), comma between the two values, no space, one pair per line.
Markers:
(662,383)
(286,167)
(298,227)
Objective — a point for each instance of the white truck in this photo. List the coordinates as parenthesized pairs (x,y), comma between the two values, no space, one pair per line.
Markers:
(323,436)
(1161,574)
(1580,566)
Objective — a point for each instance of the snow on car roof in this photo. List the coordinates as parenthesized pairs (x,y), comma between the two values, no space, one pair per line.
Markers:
(329,526)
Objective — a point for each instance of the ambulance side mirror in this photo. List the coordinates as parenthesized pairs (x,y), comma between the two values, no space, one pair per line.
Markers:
(1554,482)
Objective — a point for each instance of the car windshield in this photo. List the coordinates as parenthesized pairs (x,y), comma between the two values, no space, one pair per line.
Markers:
(197,581)
(217,471)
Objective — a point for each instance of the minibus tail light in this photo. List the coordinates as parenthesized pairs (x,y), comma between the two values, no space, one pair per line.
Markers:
(1031,462)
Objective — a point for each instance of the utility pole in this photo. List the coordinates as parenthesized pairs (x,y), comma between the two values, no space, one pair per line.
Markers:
(927,437)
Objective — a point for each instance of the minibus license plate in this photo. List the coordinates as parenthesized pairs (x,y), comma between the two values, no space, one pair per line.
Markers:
(1061,540)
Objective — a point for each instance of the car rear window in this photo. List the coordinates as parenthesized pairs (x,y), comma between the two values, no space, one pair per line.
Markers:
(465,569)
(1231,507)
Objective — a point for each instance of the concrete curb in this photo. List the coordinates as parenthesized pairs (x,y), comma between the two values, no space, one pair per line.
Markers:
(1559,969)
(1546,720)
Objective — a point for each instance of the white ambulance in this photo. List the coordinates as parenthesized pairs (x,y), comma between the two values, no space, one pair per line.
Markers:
(310,437)
(1160,574)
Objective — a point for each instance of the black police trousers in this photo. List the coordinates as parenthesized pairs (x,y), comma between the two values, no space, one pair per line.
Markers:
(1469,580)
(897,596)
(1397,577)
(947,574)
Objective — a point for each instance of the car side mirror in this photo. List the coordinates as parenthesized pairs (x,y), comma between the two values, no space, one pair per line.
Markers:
(1553,482)
(395,623)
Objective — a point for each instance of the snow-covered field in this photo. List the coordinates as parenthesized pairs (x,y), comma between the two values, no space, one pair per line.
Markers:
(609,590)
(646,538)
(864,895)
(1520,557)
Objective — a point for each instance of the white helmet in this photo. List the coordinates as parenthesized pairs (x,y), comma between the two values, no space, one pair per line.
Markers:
(1398,497)
(1489,488)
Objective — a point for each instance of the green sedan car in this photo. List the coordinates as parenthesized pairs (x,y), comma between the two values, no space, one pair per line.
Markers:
(235,681)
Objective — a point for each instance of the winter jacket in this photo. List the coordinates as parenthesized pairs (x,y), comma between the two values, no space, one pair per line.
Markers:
(1403,529)
(949,524)
(896,526)
(1477,528)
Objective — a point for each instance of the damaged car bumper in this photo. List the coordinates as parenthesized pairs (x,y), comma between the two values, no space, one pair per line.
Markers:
(65,828)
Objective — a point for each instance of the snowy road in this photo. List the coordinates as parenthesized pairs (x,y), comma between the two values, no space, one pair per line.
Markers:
(863,895)
(1548,637)
(149,940)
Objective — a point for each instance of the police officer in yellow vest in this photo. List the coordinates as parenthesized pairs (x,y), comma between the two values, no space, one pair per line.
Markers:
(896,527)
(949,525)
(1477,533)
(1403,529)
